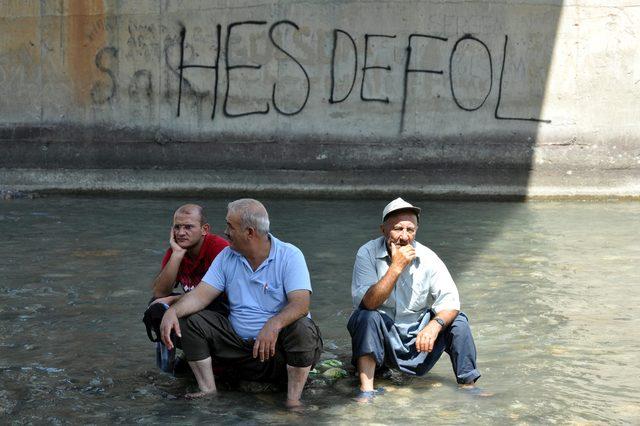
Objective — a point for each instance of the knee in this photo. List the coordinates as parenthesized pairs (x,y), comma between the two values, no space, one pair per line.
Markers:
(201,322)
(363,319)
(368,315)
(302,343)
(303,358)
(302,334)
(302,328)
(460,325)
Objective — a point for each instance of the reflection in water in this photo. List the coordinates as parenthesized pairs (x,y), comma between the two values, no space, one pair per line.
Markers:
(551,290)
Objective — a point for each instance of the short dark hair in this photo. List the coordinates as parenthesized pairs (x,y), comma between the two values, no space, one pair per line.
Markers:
(193,208)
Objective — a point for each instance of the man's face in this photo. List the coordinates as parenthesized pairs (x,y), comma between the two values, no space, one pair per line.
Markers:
(234,232)
(400,228)
(187,229)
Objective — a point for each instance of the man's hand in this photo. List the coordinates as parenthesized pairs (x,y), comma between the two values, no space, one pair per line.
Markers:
(163,284)
(402,256)
(169,323)
(265,345)
(169,300)
(175,247)
(427,337)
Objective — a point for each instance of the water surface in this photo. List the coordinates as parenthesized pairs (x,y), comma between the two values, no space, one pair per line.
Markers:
(551,290)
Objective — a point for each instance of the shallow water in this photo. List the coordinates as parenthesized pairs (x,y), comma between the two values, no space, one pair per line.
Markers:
(551,290)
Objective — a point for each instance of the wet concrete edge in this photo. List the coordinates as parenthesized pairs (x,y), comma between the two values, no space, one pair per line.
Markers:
(481,184)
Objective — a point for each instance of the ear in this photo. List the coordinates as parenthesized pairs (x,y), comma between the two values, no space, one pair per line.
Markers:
(206,228)
(382,229)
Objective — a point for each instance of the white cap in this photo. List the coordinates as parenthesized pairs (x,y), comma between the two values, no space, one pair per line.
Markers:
(399,204)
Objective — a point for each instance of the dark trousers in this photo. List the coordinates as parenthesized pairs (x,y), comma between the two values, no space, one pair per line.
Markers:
(153,317)
(373,333)
(210,334)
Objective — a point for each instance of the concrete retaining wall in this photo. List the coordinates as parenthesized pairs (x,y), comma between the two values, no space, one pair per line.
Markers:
(429,88)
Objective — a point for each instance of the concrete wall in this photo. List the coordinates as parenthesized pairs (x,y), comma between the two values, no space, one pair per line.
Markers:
(513,95)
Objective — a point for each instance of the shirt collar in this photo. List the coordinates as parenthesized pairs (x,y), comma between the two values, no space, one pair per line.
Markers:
(381,249)
(272,250)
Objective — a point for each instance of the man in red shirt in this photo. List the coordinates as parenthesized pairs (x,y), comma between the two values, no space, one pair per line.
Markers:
(192,250)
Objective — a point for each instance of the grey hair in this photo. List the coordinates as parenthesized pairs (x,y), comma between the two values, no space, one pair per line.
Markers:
(252,214)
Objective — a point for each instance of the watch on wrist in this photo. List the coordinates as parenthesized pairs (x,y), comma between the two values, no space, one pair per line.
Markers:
(439,321)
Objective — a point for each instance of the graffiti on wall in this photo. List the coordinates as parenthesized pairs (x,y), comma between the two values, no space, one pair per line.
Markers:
(359,66)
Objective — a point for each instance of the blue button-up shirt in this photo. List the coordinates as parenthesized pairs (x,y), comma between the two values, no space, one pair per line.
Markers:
(256,296)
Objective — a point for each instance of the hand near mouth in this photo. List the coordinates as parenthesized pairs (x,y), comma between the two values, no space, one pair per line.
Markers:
(174,244)
(402,255)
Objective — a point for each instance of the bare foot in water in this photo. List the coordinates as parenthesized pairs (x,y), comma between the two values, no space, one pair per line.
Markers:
(472,389)
(294,404)
(201,394)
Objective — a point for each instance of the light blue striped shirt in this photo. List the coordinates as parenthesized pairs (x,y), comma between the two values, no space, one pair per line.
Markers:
(424,284)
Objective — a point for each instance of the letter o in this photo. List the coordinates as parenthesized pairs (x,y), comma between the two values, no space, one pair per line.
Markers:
(453,51)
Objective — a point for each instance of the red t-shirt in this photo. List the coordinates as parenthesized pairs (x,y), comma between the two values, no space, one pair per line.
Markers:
(191,270)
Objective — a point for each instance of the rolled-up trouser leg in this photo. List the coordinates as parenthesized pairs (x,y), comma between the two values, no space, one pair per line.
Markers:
(367,336)
(301,343)
(209,333)
(462,350)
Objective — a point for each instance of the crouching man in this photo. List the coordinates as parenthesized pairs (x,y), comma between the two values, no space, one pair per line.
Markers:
(406,306)
(268,335)
(192,248)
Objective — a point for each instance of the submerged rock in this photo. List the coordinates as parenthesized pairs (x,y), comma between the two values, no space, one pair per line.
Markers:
(328,364)
(328,370)
(335,373)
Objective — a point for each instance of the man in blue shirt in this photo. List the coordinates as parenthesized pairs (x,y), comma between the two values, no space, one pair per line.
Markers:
(268,335)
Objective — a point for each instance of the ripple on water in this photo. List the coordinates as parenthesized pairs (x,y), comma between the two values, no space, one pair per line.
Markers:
(550,289)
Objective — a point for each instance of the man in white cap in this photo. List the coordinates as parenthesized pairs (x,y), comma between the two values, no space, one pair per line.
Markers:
(406,306)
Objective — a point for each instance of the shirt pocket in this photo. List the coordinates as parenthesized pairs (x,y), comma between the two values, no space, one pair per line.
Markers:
(418,300)
(272,297)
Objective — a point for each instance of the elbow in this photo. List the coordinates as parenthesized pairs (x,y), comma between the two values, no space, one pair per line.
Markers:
(298,310)
(451,313)
(300,303)
(367,305)
(304,310)
(155,288)
(157,293)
